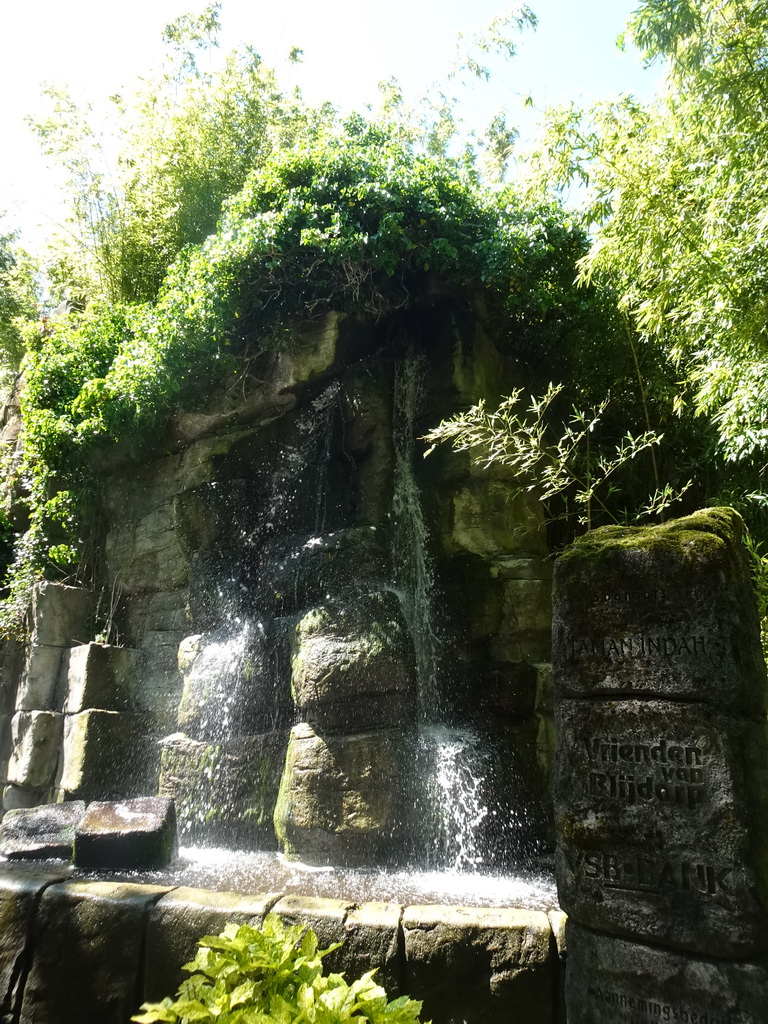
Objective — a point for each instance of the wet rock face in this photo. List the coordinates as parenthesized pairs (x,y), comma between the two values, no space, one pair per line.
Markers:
(225,792)
(41,832)
(338,797)
(353,666)
(660,797)
(293,561)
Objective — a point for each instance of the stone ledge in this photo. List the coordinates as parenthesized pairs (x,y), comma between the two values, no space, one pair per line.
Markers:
(95,945)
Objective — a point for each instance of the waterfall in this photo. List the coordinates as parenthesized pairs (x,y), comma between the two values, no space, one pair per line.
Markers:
(235,708)
(450,791)
(301,467)
(453,782)
(413,566)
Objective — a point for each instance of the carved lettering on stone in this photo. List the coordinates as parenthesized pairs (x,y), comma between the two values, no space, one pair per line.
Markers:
(662,762)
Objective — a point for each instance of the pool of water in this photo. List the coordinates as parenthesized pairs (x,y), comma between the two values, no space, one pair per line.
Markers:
(240,871)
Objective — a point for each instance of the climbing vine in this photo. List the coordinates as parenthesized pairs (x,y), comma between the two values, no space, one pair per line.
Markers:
(355,221)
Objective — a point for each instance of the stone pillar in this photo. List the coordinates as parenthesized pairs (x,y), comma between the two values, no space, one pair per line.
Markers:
(662,774)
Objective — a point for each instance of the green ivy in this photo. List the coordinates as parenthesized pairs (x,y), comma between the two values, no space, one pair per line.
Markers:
(356,222)
(274,974)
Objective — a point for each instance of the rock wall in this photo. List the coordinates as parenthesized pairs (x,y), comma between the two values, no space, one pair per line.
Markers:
(75,951)
(274,622)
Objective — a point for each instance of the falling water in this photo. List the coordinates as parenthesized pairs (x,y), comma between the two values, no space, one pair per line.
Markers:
(454,796)
(236,695)
(413,566)
(301,469)
(450,800)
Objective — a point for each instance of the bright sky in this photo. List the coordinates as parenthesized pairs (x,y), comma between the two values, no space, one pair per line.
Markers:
(98,47)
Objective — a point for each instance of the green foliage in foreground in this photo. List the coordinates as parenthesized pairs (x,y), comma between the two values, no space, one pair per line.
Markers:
(273,975)
(355,222)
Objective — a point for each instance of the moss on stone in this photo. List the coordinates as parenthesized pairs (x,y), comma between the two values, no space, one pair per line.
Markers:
(707,529)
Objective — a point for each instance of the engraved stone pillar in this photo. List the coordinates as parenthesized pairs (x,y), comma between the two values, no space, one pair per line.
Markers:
(662,773)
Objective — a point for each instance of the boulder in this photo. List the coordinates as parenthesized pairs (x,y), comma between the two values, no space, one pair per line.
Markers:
(353,667)
(230,686)
(133,835)
(338,797)
(225,791)
(41,832)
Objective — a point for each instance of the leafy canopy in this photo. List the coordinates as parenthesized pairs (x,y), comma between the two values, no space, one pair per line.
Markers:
(677,199)
(353,221)
(180,144)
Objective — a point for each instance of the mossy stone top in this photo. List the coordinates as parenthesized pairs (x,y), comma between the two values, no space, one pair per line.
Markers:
(662,611)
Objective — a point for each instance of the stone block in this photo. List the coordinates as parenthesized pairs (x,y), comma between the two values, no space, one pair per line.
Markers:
(99,676)
(11,668)
(558,921)
(134,835)
(225,792)
(372,940)
(160,612)
(41,832)
(661,810)
(88,941)
(20,891)
(325,917)
(545,689)
(107,755)
(147,552)
(353,666)
(479,964)
(514,568)
(489,517)
(6,746)
(338,797)
(59,614)
(39,678)
(159,685)
(665,611)
(610,980)
(36,739)
(527,605)
(181,918)
(15,797)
